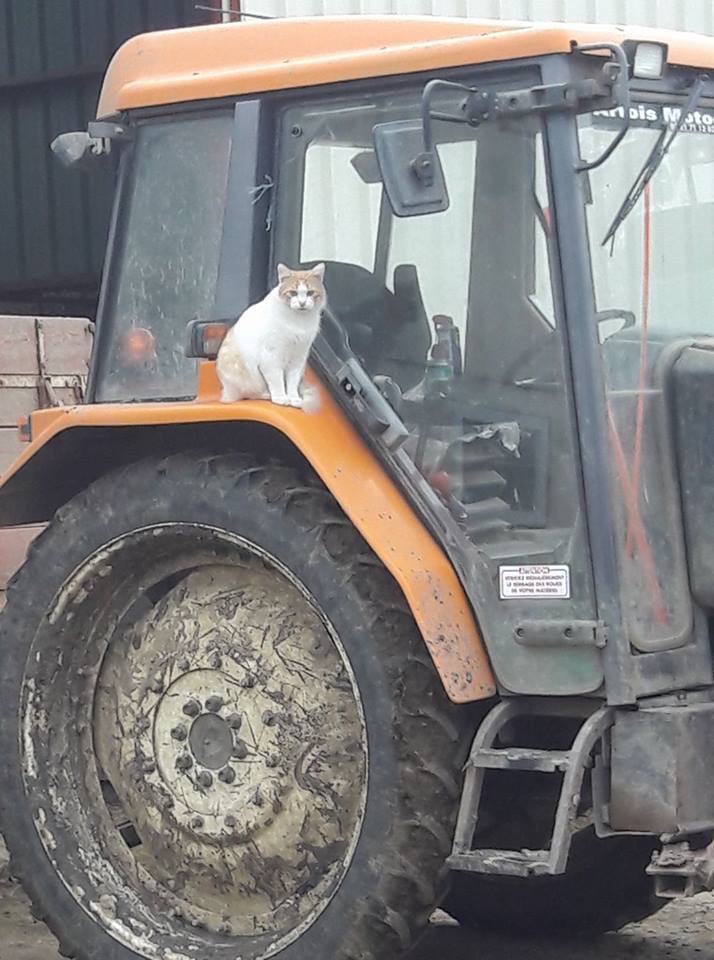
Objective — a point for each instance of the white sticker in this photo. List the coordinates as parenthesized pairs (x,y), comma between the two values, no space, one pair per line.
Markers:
(535,582)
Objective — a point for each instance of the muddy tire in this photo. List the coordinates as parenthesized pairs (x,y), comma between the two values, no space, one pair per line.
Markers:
(220,733)
(604,888)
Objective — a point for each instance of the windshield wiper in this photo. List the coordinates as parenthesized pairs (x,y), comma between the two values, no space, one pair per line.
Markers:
(651,165)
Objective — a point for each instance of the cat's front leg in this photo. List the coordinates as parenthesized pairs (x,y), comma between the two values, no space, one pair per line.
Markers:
(293,378)
(275,381)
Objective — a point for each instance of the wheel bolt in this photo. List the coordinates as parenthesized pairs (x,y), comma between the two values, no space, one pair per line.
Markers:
(192,708)
(197,823)
(214,704)
(179,733)
(205,779)
(235,721)
(184,762)
(240,750)
(227,775)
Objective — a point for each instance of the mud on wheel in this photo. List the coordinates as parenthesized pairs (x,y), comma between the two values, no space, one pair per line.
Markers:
(220,733)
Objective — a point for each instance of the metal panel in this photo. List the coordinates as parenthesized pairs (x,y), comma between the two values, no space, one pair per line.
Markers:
(696,15)
(52,59)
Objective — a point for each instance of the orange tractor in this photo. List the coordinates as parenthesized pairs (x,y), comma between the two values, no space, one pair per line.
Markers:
(278,682)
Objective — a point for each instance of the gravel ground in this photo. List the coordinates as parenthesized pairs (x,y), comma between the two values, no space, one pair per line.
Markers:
(682,931)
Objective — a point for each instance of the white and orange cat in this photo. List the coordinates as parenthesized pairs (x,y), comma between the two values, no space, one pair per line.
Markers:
(264,354)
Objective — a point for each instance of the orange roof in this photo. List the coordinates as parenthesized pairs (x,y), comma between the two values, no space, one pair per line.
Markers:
(222,60)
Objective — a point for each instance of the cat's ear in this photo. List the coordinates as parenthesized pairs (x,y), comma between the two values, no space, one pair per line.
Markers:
(283,272)
(319,271)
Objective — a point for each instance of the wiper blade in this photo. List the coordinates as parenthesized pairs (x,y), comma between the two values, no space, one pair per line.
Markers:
(652,163)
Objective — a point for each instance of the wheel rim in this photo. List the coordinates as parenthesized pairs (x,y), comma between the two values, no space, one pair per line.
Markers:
(229,738)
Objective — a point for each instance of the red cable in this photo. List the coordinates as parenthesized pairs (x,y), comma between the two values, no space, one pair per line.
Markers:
(642,384)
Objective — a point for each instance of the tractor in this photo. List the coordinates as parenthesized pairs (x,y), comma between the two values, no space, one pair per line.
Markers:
(278,682)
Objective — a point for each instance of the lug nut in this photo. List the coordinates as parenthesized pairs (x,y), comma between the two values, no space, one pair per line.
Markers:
(184,762)
(227,775)
(214,704)
(192,708)
(179,733)
(205,779)
(197,823)
(235,721)
(240,750)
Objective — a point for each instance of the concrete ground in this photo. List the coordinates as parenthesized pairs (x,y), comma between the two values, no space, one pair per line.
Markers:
(682,931)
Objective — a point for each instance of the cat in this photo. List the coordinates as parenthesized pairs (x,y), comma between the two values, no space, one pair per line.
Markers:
(263,355)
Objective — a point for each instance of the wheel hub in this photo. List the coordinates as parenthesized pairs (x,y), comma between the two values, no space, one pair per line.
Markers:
(222,767)
(230,728)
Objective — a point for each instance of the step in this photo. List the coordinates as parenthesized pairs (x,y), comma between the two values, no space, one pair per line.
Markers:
(521,758)
(514,863)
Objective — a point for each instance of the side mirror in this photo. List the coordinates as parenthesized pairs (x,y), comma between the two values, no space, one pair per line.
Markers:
(76,149)
(411,172)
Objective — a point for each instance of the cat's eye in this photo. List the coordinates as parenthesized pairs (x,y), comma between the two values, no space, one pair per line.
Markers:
(292,293)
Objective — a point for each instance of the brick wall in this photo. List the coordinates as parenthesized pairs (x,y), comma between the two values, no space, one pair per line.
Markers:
(60,346)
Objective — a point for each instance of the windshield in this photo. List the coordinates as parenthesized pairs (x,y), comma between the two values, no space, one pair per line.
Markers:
(656,276)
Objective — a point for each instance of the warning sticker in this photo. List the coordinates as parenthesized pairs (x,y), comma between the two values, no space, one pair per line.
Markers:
(534,581)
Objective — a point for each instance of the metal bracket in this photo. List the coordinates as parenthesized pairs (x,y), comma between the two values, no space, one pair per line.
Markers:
(373,409)
(561,633)
(680,871)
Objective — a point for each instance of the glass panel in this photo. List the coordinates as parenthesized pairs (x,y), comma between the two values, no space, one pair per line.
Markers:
(453,315)
(656,276)
(167,265)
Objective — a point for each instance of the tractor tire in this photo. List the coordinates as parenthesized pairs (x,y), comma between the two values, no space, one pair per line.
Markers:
(221,735)
(604,888)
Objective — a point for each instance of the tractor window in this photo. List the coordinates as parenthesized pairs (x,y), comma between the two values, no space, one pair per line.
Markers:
(164,273)
(455,317)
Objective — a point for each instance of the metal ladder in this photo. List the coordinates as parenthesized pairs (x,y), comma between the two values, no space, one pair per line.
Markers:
(571,763)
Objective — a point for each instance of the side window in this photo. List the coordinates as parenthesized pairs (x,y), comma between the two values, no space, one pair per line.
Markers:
(164,271)
(541,295)
(341,210)
(441,247)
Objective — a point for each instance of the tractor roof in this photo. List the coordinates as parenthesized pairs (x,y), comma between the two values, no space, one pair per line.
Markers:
(223,60)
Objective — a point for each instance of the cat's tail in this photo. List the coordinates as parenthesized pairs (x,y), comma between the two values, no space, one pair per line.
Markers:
(310,399)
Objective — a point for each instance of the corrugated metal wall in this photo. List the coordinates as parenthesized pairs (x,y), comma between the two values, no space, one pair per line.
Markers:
(697,15)
(53,54)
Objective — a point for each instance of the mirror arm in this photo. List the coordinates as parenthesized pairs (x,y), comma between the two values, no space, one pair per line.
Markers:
(423,164)
(621,89)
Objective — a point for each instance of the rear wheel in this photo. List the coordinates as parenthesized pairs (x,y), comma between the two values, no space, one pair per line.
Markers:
(220,733)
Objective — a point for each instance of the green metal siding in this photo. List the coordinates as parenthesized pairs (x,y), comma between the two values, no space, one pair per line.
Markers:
(53,53)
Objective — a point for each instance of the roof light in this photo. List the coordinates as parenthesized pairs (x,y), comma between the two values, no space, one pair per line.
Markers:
(649,61)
